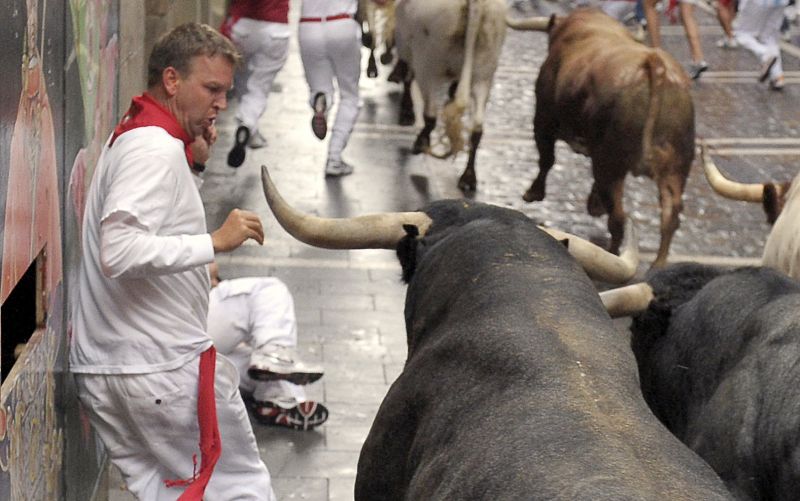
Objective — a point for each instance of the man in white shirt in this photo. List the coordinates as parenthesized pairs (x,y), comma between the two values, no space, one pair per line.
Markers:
(252,322)
(145,368)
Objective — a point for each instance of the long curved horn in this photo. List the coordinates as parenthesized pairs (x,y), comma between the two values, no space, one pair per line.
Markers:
(729,189)
(625,301)
(599,263)
(374,231)
(528,23)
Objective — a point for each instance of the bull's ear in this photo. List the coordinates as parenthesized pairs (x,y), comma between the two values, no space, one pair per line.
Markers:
(552,23)
(773,199)
(407,251)
(411,230)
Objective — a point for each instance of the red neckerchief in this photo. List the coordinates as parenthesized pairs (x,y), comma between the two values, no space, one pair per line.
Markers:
(146,111)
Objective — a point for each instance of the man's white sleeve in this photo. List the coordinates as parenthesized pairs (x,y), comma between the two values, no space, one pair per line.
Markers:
(127,249)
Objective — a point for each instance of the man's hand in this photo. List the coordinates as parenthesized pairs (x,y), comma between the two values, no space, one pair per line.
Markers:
(238,227)
(202,145)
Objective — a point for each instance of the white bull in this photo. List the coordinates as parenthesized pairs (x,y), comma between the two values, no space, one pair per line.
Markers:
(445,41)
(379,16)
(781,203)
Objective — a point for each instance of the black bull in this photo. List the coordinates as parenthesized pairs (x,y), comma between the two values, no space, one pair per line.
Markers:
(719,358)
(517,385)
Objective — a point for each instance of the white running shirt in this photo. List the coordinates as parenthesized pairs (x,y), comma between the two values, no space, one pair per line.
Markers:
(142,294)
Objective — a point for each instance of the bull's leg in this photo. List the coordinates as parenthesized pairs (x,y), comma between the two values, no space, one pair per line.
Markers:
(480,92)
(670,191)
(546,144)
(468,182)
(427,87)
(611,198)
(423,141)
(372,67)
(399,73)
(594,204)
(451,91)
(406,105)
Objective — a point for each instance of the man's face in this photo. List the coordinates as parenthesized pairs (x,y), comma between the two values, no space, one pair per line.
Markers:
(201,94)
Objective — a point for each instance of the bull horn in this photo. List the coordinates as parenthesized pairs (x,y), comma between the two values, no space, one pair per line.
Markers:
(599,263)
(528,23)
(752,192)
(374,231)
(628,300)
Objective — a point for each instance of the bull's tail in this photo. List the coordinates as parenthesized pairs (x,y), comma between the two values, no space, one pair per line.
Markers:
(454,110)
(656,71)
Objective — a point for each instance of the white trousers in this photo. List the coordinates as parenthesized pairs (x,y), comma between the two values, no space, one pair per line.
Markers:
(265,46)
(275,323)
(758,29)
(148,423)
(331,50)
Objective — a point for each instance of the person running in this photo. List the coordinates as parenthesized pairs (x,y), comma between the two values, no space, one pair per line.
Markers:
(758,30)
(331,50)
(260,29)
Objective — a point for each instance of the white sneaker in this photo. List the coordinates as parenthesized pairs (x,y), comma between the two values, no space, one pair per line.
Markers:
(337,168)
(257,140)
(727,43)
(276,363)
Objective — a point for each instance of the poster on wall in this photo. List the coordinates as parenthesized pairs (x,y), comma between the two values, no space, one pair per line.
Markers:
(57,97)
(31,147)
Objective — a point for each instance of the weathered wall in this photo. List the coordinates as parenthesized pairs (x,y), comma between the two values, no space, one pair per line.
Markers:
(71,70)
(31,161)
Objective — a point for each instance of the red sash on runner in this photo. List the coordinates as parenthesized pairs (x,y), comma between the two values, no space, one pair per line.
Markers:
(210,443)
(146,111)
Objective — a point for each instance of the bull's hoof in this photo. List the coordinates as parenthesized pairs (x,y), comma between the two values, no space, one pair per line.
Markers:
(533,195)
(421,144)
(372,68)
(467,183)
(387,58)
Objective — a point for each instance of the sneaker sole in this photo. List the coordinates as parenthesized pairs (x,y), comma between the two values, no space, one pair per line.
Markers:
(318,122)
(319,125)
(237,153)
(295,418)
(299,378)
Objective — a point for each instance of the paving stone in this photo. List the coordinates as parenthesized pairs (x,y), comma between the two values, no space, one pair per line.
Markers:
(341,489)
(301,488)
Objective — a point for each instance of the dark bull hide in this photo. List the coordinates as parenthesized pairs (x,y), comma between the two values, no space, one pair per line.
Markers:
(719,361)
(517,385)
(624,105)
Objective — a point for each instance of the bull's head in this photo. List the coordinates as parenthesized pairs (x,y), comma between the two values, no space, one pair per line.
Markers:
(391,230)
(771,195)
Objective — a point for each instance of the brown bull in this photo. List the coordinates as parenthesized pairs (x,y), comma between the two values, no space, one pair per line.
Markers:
(624,105)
